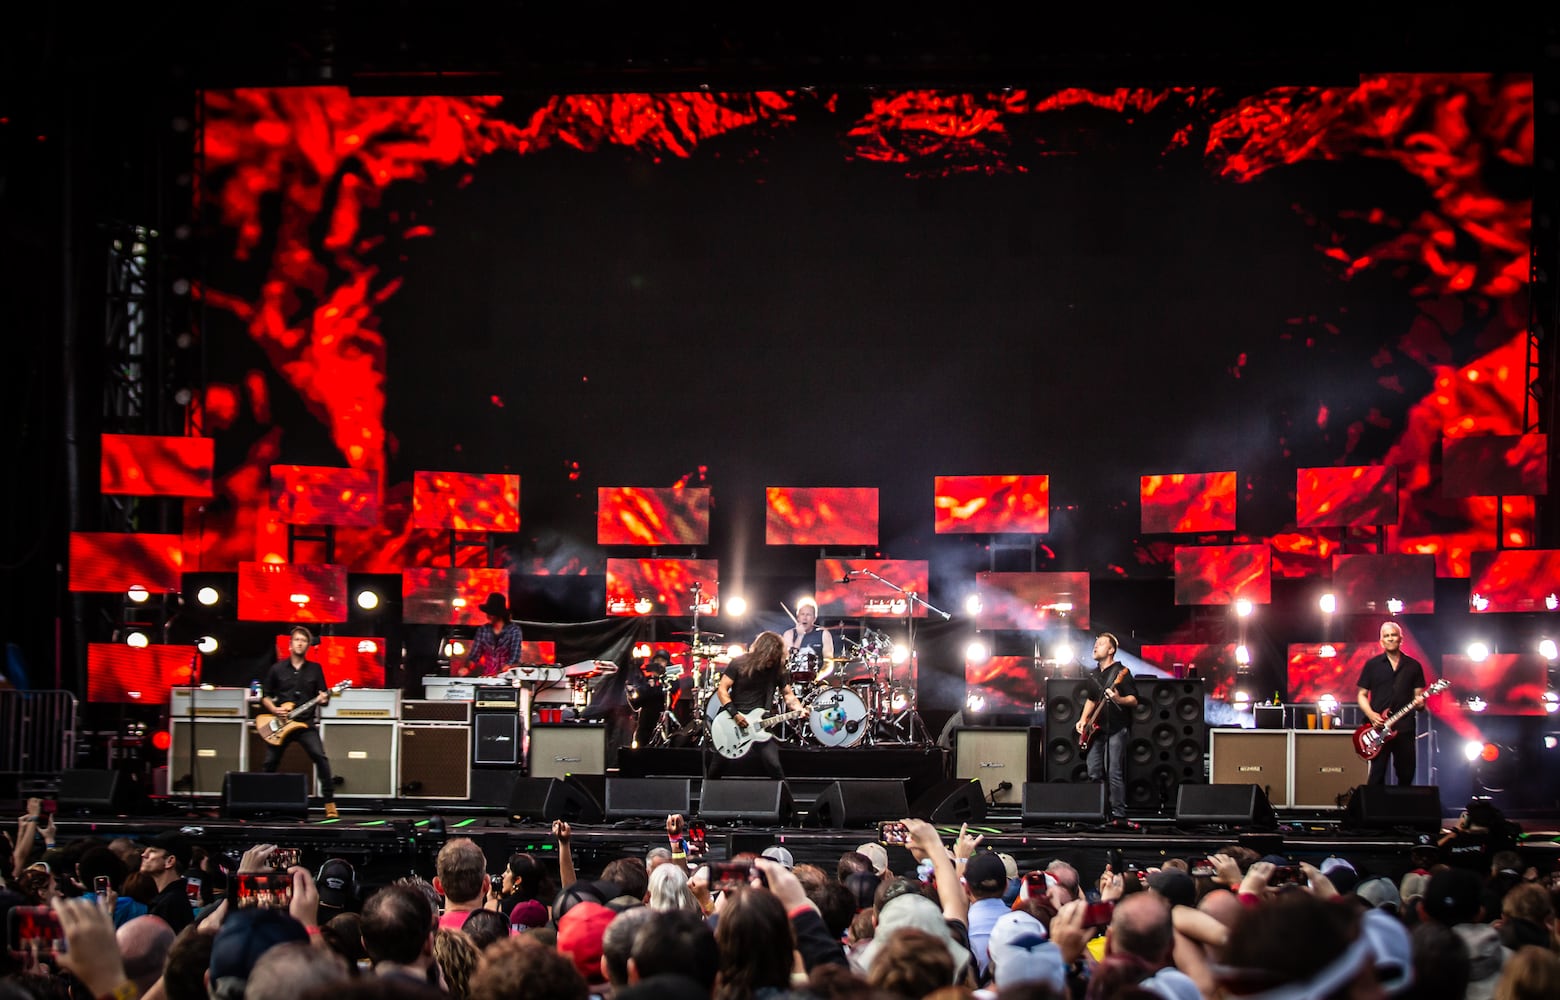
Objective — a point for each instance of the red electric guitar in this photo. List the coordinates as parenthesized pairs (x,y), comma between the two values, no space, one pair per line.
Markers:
(1091,722)
(1372,738)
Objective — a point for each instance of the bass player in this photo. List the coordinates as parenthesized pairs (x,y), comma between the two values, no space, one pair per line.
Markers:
(749,683)
(1106,722)
(1390,680)
(296,681)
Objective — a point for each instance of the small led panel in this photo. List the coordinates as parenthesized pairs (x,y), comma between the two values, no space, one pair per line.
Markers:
(1008,684)
(117,673)
(823,515)
(441,595)
(359,659)
(1350,496)
(461,501)
(1491,465)
(152,465)
(292,592)
(662,586)
(632,515)
(1367,583)
(109,561)
(1323,668)
(1212,662)
(866,597)
(1193,501)
(325,495)
(1506,684)
(992,505)
(1515,580)
(1031,601)
(1223,574)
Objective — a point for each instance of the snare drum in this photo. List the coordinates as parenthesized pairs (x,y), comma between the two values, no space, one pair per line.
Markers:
(838,717)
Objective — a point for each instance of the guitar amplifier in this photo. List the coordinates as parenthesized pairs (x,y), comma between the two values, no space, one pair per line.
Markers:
(217,747)
(1252,757)
(454,713)
(493,696)
(1326,768)
(435,762)
(294,759)
(362,757)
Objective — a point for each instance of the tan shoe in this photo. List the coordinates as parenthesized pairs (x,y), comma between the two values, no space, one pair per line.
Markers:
(330,811)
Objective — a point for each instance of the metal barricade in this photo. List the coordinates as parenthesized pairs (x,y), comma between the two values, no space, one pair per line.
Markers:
(37,731)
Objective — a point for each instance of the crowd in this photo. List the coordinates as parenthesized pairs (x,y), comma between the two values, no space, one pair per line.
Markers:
(165,920)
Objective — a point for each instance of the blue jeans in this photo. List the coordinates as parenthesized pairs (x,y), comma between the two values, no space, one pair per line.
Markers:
(1114,747)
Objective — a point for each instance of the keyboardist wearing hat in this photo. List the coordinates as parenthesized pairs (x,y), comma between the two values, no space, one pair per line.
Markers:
(496,647)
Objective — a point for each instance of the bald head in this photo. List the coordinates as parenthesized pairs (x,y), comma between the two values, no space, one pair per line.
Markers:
(145,942)
(1141,927)
(1223,906)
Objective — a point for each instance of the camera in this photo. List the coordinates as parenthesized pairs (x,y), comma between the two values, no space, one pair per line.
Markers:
(893,833)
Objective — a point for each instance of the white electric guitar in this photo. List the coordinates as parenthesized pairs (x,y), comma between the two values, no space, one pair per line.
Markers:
(732,740)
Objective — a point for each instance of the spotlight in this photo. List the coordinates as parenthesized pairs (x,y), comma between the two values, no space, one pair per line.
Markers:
(207,644)
(1328,603)
(1472,749)
(898,655)
(367,647)
(1063,653)
(1551,741)
(1242,655)
(1478,602)
(1546,649)
(367,600)
(458,602)
(976,652)
(1242,699)
(642,651)
(208,596)
(137,640)
(1327,704)
(1327,651)
(975,702)
(1476,703)
(298,599)
(1394,606)
(735,650)
(1478,651)
(454,648)
(642,606)
(736,607)
(162,740)
(138,594)
(1243,608)
(1551,702)
(1489,753)
(1552,602)
(972,605)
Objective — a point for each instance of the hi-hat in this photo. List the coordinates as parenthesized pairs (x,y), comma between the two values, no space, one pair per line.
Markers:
(718,635)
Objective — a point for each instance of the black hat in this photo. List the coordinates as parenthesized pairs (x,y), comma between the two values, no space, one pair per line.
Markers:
(496,604)
(176,844)
(337,884)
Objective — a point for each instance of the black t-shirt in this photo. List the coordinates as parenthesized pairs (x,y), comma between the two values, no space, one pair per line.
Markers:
(173,905)
(752,688)
(1113,718)
(1391,689)
(285,684)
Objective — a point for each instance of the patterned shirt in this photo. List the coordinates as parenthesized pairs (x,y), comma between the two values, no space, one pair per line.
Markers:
(491,653)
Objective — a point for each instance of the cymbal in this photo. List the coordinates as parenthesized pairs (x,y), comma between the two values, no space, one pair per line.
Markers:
(838,659)
(717,635)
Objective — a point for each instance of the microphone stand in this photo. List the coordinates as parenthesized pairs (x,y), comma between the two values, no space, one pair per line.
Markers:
(911,600)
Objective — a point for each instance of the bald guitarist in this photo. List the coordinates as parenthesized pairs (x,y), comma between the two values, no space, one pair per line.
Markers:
(296,681)
(1391,680)
(1106,722)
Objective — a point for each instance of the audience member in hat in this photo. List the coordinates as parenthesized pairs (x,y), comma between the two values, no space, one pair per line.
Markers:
(337,886)
(579,937)
(244,937)
(1308,946)
(1379,892)
(911,909)
(145,942)
(877,855)
(779,854)
(985,877)
(1341,873)
(1010,867)
(1440,962)
(398,924)
(522,968)
(496,647)
(293,969)
(1021,951)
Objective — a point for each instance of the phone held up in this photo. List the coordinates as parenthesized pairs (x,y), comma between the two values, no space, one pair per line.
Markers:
(34,929)
(264,889)
(727,875)
(893,833)
(695,840)
(283,858)
(1098,914)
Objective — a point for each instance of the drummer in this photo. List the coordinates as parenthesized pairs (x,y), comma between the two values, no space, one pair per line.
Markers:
(808,636)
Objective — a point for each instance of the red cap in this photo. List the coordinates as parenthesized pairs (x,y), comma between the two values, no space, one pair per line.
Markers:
(579,937)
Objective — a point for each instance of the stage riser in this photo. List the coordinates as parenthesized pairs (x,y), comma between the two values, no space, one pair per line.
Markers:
(807,771)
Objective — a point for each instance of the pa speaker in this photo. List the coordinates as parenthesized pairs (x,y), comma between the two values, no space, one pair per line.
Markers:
(1058,802)
(255,793)
(754,800)
(1392,807)
(1169,737)
(656,798)
(953,800)
(1064,701)
(89,791)
(546,799)
(1223,805)
(496,739)
(848,803)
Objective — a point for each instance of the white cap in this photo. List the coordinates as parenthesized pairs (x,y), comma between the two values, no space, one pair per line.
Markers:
(780,854)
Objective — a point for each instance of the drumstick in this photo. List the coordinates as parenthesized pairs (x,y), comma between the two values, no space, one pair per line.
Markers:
(788,612)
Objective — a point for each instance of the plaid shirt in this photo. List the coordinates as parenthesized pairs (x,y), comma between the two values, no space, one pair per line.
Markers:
(492,653)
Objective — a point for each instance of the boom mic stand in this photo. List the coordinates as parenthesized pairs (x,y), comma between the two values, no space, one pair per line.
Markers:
(908,722)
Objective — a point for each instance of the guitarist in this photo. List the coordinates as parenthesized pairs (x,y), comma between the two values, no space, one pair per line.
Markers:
(1389,681)
(1111,708)
(298,680)
(749,683)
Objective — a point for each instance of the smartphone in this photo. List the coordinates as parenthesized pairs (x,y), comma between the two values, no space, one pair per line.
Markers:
(102,885)
(893,833)
(1036,882)
(192,885)
(1098,914)
(264,889)
(50,806)
(695,840)
(30,928)
(1202,868)
(1286,875)
(284,858)
(726,875)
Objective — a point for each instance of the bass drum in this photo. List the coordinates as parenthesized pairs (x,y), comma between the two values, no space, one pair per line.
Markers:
(838,717)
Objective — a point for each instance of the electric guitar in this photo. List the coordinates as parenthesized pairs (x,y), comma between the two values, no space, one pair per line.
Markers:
(1091,722)
(274,729)
(732,740)
(1372,738)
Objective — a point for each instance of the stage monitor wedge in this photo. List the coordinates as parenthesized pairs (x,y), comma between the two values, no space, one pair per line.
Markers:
(952,800)
(747,800)
(860,803)
(1242,805)
(1049,802)
(648,798)
(1394,807)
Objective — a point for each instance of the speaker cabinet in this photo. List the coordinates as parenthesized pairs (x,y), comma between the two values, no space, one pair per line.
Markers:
(852,803)
(362,758)
(294,759)
(748,800)
(655,798)
(435,762)
(953,800)
(248,794)
(994,757)
(1326,769)
(569,748)
(1254,757)
(216,745)
(1056,802)
(1394,807)
(539,800)
(497,736)
(1167,744)
(1064,701)
(1223,805)
(92,792)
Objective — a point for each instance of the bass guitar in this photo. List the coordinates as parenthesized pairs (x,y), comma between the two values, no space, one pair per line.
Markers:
(732,740)
(1091,722)
(1372,738)
(274,729)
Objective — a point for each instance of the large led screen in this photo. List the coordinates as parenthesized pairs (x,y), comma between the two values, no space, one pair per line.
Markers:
(119,674)
(150,465)
(292,592)
(326,496)
(439,595)
(991,505)
(1003,684)
(356,658)
(1488,465)
(1223,574)
(1353,496)
(1032,600)
(1515,580)
(1367,583)
(663,586)
(106,561)
(872,588)
(636,515)
(1499,684)
(824,515)
(1333,668)
(1212,662)
(459,501)
(1182,502)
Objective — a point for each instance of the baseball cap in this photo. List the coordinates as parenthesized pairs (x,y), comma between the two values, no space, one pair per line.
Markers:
(1009,865)
(1340,873)
(877,853)
(245,936)
(176,844)
(1452,896)
(1413,886)
(1391,949)
(1022,952)
(985,871)
(1379,891)
(529,913)
(337,884)
(579,937)
(779,854)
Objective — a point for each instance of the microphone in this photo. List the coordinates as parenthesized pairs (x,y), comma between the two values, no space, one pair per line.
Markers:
(843,579)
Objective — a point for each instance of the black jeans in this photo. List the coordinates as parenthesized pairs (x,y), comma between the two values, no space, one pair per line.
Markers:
(766,752)
(309,739)
(1401,751)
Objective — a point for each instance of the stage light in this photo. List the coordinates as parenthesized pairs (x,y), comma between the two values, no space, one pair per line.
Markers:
(1327,651)
(1476,703)
(898,655)
(1243,608)
(454,648)
(298,599)
(368,647)
(736,607)
(367,600)
(976,652)
(1472,749)
(1489,753)
(735,650)
(1551,741)
(1496,768)
(1546,649)
(207,644)
(972,605)
(1552,602)
(1328,603)
(162,740)
(1551,702)
(975,702)
(1242,699)
(458,602)
(1394,606)
(642,651)
(1478,651)
(138,594)
(137,640)
(1242,655)
(1478,602)
(642,606)
(208,596)
(1327,704)
(1063,653)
